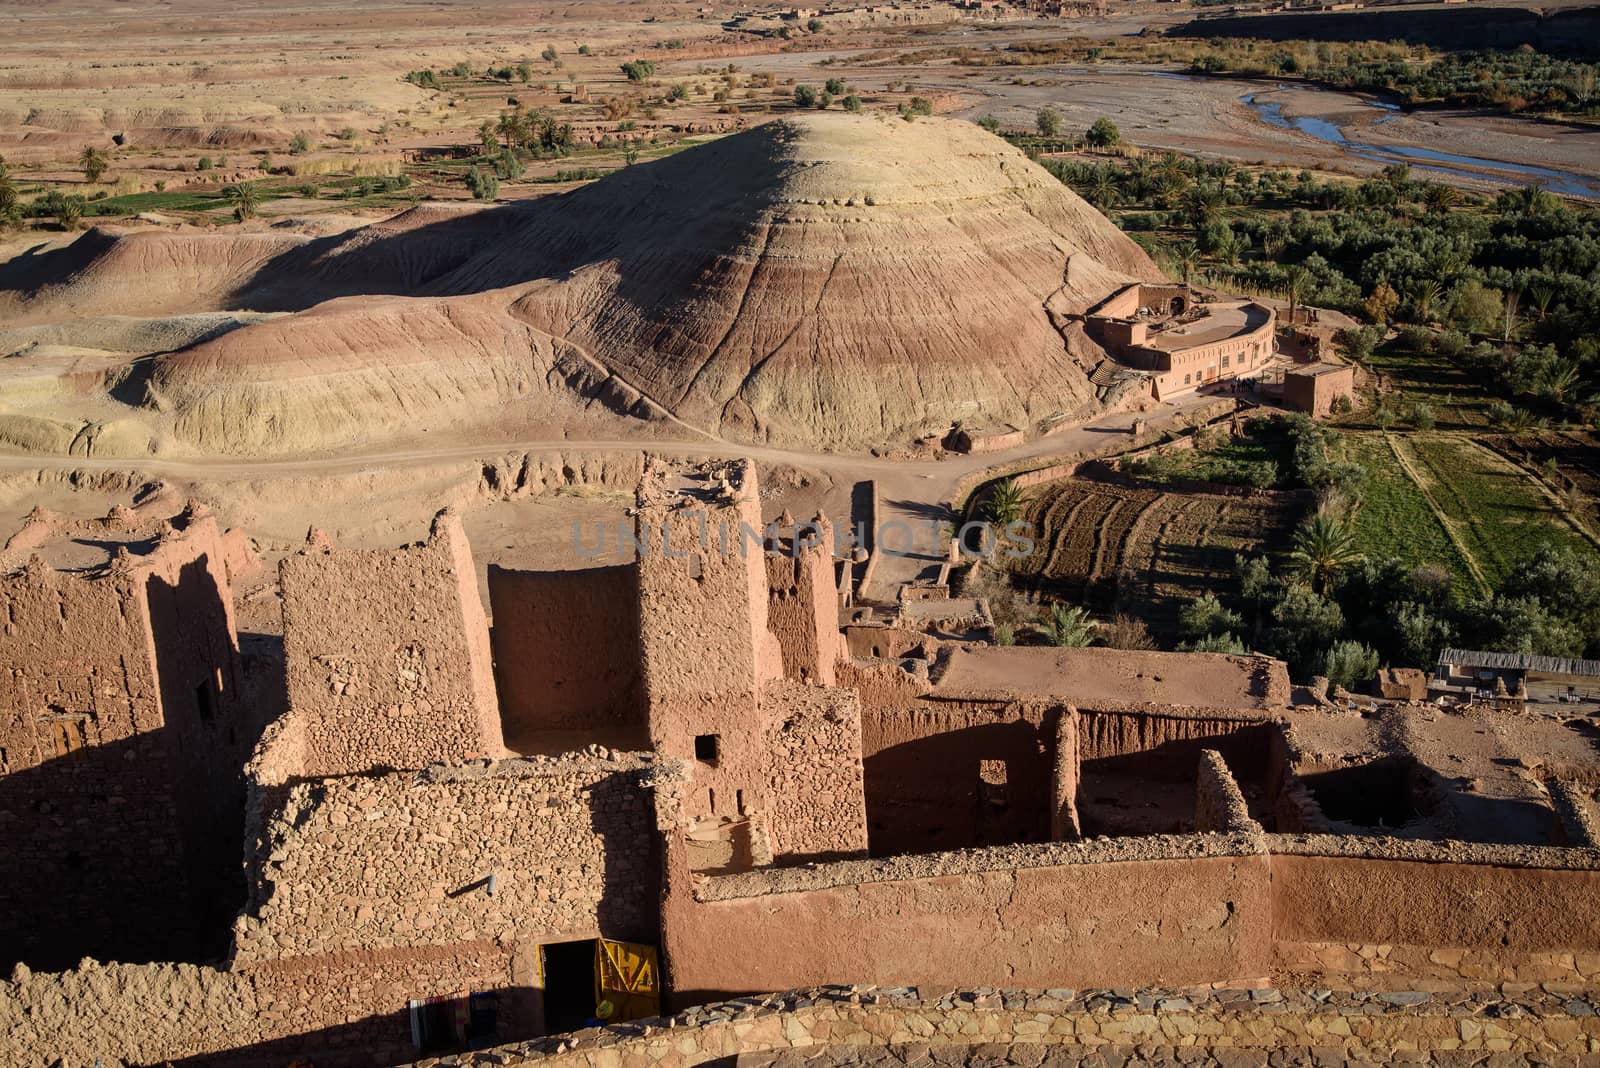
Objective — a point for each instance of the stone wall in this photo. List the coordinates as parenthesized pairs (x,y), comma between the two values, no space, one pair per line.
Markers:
(1182,1026)
(346,1010)
(387,654)
(403,859)
(817,804)
(566,648)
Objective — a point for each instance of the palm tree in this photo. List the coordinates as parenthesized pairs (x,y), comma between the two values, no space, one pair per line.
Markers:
(1556,380)
(1188,255)
(1440,198)
(1542,296)
(1424,292)
(1203,204)
(1323,547)
(1296,283)
(244,196)
(1069,627)
(1005,503)
(1103,191)
(94,163)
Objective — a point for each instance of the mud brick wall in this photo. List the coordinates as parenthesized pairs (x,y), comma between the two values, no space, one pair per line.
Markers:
(1492,912)
(120,796)
(923,774)
(803,605)
(403,859)
(1171,910)
(387,654)
(1219,805)
(566,647)
(705,646)
(817,805)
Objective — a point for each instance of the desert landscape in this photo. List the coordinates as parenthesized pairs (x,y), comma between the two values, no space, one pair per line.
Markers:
(1039,532)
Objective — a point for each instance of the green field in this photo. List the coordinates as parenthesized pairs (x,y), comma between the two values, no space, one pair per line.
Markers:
(1394,519)
(1457,398)
(1500,515)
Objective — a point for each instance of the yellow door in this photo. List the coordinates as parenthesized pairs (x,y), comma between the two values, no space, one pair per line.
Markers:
(627,980)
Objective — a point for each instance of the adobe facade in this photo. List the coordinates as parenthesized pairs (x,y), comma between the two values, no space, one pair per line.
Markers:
(432,829)
(1317,388)
(1181,342)
(122,739)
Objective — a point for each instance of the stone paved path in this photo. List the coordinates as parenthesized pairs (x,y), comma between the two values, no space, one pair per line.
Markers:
(1023,1055)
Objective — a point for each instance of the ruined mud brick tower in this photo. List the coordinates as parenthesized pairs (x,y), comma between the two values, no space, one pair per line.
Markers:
(387,654)
(802,609)
(121,739)
(705,648)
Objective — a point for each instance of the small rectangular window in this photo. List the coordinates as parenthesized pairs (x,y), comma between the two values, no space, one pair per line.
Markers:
(204,703)
(705,748)
(1224,361)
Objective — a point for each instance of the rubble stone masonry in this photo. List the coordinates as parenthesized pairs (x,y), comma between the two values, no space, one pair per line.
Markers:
(403,859)
(387,654)
(1101,1028)
(814,752)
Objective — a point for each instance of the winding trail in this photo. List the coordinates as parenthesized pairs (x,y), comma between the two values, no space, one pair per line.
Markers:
(910,490)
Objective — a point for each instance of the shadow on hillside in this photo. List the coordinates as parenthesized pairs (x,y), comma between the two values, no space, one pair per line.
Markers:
(1570,32)
(627,217)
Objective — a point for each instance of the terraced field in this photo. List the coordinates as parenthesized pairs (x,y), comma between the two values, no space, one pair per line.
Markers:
(1145,551)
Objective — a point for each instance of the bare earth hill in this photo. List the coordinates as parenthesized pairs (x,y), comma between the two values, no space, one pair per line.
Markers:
(829,281)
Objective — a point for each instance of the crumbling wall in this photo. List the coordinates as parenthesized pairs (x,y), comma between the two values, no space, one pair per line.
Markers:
(341,1011)
(705,646)
(803,602)
(1175,740)
(817,801)
(120,744)
(404,859)
(1064,775)
(387,654)
(1219,804)
(566,648)
(1575,807)
(949,774)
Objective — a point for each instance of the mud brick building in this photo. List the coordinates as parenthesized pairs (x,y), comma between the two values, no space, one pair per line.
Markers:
(468,816)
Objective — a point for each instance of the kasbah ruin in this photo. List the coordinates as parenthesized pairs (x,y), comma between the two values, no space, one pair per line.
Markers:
(681,781)
(764,787)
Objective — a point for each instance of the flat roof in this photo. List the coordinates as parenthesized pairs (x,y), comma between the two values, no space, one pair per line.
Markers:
(1220,322)
(1119,676)
(1313,370)
(1548,665)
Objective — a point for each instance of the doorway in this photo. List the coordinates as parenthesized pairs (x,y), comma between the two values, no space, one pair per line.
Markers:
(567,973)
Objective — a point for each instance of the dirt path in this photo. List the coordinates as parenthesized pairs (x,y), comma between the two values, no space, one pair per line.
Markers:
(911,491)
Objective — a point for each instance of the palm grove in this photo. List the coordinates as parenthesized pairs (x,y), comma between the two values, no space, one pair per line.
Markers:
(1504,289)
